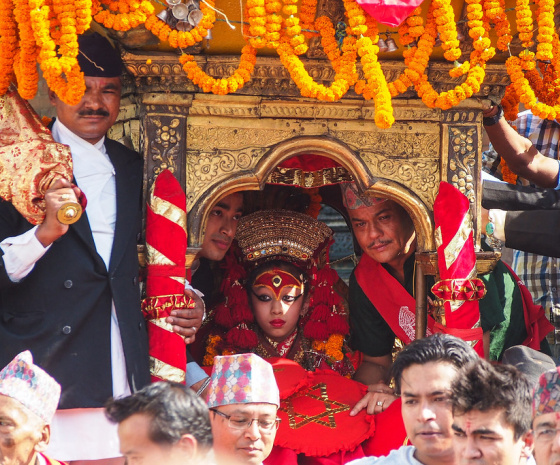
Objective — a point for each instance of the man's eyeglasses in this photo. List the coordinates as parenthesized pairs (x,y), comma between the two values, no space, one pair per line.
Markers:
(546,433)
(243,423)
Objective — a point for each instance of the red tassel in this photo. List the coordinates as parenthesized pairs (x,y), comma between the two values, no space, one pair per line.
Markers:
(316,330)
(223,316)
(338,325)
(242,338)
(320,313)
(241,313)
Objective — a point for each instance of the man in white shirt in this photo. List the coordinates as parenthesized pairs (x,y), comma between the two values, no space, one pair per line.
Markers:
(423,372)
(70,294)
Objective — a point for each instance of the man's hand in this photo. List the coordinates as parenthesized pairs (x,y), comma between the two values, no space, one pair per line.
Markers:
(378,398)
(187,321)
(60,193)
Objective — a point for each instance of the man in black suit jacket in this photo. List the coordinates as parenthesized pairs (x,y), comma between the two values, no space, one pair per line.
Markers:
(70,294)
(532,220)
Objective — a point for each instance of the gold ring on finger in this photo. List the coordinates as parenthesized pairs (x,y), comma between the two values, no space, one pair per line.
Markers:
(65,197)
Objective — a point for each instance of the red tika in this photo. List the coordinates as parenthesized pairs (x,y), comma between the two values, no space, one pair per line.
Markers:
(459,286)
(166,244)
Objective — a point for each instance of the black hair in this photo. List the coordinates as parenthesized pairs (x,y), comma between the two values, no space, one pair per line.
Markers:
(436,348)
(175,410)
(483,386)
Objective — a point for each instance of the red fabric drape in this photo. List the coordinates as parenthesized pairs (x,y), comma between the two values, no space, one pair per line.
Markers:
(457,265)
(166,241)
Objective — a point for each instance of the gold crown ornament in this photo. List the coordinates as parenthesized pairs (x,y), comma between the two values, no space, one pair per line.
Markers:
(282,233)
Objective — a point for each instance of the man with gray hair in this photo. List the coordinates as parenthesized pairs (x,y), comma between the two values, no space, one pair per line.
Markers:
(28,400)
(243,399)
(546,418)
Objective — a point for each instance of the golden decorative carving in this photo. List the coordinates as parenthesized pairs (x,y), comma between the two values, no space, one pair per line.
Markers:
(308,179)
(233,138)
(485,262)
(270,78)
(462,159)
(204,169)
(164,146)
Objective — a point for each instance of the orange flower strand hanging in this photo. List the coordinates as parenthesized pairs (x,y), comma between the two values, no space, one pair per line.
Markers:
(71,88)
(25,60)
(128,13)
(8,43)
(225,85)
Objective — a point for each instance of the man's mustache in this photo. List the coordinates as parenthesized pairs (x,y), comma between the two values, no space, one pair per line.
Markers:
(99,112)
(377,243)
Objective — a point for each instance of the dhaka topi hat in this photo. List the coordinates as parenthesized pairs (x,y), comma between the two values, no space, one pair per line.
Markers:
(546,398)
(530,362)
(352,199)
(31,386)
(242,379)
(97,57)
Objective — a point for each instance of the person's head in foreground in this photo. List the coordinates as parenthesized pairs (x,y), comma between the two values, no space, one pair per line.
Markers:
(491,415)
(98,109)
(383,229)
(423,372)
(546,419)
(530,362)
(243,400)
(162,424)
(28,400)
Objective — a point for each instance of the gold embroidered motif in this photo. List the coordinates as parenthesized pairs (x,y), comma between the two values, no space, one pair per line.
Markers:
(165,371)
(155,257)
(325,418)
(457,243)
(166,209)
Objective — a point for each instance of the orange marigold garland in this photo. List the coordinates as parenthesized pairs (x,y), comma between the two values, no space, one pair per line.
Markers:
(122,15)
(256,13)
(525,92)
(273,24)
(510,103)
(344,65)
(375,84)
(524,18)
(225,85)
(25,60)
(308,11)
(293,28)
(496,13)
(71,87)
(8,43)
(447,28)
(545,21)
(183,39)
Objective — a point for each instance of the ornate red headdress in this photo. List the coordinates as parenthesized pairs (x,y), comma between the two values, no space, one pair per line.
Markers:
(292,237)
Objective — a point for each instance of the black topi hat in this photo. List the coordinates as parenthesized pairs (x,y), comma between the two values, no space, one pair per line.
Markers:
(97,57)
(528,361)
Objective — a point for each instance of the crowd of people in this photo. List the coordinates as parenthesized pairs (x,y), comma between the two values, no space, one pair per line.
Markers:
(271,325)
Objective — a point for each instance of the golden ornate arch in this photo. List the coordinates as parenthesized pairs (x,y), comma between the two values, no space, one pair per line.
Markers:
(256,178)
